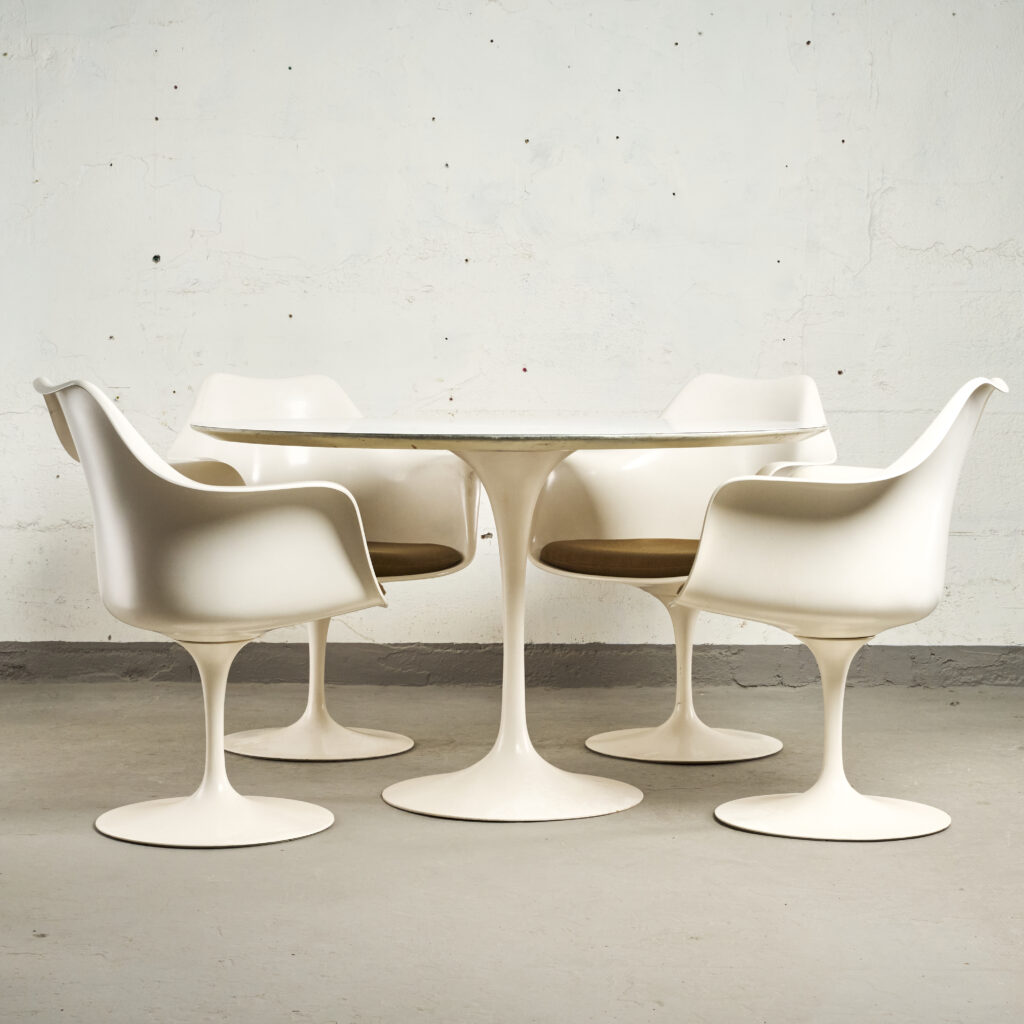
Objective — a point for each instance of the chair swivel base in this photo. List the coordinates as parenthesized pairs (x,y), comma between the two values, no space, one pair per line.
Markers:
(317,740)
(682,740)
(848,816)
(223,819)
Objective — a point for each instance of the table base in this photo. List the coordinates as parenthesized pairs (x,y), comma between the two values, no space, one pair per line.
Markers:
(500,788)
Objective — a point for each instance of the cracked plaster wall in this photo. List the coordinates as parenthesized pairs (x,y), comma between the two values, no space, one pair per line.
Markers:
(512,205)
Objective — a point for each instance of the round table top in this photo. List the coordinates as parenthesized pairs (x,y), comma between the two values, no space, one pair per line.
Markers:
(510,431)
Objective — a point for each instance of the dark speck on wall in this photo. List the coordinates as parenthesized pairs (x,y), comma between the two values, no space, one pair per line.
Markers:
(524,369)
(839,373)
(156,258)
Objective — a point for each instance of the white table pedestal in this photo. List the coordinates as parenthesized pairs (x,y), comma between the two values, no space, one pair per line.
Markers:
(512,782)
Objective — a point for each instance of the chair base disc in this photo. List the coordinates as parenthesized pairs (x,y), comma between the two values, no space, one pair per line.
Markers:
(847,816)
(523,788)
(317,741)
(679,742)
(233,820)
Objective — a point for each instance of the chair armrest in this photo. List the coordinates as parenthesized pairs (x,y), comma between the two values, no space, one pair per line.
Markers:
(209,558)
(846,556)
(209,471)
(822,472)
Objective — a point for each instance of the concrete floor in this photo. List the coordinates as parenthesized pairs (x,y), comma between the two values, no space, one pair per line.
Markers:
(657,913)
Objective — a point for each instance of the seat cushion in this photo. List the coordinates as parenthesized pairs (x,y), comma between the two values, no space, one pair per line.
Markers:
(638,558)
(398,559)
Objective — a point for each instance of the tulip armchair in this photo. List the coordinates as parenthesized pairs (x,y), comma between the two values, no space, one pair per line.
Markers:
(211,567)
(635,517)
(418,508)
(834,555)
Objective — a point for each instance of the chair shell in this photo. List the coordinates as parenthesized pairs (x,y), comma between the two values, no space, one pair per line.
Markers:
(663,494)
(419,510)
(834,555)
(212,568)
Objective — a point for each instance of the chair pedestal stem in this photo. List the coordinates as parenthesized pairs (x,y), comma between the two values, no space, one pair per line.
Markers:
(215,815)
(832,808)
(316,736)
(683,738)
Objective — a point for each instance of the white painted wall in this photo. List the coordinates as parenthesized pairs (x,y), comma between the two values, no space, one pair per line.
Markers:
(512,205)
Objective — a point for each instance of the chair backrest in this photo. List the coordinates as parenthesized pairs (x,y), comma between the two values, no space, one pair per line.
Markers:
(840,551)
(195,561)
(403,496)
(922,488)
(665,492)
(228,396)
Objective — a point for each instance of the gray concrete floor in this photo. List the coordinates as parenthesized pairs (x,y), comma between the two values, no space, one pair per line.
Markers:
(657,913)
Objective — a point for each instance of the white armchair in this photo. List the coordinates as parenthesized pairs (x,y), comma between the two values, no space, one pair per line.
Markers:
(418,508)
(211,567)
(635,517)
(834,555)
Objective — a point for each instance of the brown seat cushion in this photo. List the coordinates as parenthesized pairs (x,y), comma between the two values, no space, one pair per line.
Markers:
(397,559)
(639,558)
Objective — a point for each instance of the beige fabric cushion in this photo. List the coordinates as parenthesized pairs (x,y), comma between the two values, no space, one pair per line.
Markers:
(396,559)
(639,558)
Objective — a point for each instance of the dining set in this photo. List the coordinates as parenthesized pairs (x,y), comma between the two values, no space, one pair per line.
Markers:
(280,504)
